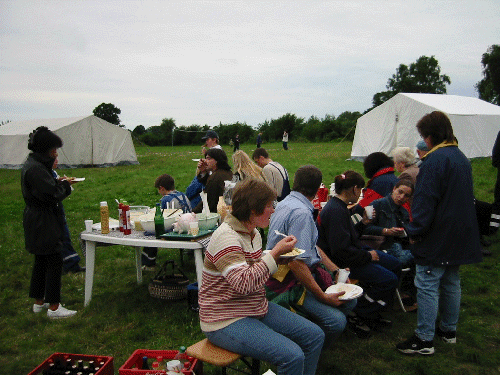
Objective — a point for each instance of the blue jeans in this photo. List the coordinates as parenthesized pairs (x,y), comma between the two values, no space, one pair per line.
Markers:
(379,281)
(438,288)
(403,255)
(290,342)
(332,319)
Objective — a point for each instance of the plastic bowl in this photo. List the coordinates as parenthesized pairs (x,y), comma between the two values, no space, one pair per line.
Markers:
(207,222)
(148,222)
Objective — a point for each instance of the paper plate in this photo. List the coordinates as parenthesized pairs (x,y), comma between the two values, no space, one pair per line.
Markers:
(352,291)
(79,179)
(285,256)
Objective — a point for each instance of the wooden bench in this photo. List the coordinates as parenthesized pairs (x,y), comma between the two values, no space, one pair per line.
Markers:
(207,352)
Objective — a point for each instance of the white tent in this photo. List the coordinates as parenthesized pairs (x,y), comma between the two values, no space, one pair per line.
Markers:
(392,124)
(87,141)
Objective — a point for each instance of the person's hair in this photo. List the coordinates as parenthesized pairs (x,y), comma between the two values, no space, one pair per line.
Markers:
(251,196)
(260,152)
(41,140)
(404,155)
(347,180)
(375,162)
(437,126)
(166,181)
(307,180)
(220,157)
(405,182)
(245,166)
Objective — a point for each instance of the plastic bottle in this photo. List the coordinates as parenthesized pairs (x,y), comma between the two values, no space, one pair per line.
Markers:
(127,226)
(104,218)
(159,222)
(120,217)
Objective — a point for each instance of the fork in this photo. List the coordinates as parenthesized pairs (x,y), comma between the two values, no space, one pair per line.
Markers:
(279,233)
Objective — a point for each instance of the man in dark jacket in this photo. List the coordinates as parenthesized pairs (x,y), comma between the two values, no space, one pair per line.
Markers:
(444,233)
(495,214)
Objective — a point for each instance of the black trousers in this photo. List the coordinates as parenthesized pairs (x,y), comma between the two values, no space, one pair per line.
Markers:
(46,278)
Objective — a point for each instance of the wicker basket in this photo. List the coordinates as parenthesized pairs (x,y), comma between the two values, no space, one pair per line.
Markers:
(169,285)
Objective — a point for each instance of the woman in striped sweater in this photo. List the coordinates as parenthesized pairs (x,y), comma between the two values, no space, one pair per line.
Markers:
(234,311)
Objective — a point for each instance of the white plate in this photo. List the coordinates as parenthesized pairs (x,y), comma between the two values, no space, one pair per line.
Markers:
(352,291)
(287,256)
(79,179)
(195,160)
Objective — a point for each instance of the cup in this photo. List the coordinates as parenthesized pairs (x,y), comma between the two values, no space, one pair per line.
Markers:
(193,228)
(88,225)
(369,212)
(174,365)
(343,275)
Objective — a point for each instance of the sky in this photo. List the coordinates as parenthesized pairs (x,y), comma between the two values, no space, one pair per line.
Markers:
(211,62)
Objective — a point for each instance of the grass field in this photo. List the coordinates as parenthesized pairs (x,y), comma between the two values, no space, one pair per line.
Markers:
(123,317)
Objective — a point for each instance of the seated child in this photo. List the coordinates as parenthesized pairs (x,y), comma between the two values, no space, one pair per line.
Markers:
(166,188)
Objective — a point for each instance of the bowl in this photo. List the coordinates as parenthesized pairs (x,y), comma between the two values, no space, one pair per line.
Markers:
(148,220)
(209,221)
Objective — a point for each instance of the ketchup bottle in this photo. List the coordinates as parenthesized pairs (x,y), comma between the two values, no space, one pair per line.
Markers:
(126,219)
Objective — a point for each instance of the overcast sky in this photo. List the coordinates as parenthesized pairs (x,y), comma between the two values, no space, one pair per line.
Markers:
(206,62)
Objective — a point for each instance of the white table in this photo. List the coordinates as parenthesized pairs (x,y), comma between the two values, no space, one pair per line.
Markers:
(138,241)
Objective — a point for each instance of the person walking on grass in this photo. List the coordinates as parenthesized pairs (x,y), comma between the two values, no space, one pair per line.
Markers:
(444,233)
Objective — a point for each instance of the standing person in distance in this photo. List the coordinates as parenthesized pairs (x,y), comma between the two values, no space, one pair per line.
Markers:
(444,233)
(43,221)
(236,142)
(285,140)
(259,140)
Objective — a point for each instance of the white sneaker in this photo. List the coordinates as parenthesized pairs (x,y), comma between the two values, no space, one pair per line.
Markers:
(38,308)
(61,312)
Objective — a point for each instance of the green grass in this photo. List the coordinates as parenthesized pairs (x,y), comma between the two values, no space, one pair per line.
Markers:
(122,317)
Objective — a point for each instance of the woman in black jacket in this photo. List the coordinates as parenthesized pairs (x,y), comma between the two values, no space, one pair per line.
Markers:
(43,221)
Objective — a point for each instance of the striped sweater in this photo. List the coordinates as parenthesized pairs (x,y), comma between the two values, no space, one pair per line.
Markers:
(234,274)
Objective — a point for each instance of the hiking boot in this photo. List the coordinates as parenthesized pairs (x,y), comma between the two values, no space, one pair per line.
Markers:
(358,326)
(416,346)
(60,312)
(449,337)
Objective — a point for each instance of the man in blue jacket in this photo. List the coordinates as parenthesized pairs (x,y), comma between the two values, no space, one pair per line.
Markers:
(444,233)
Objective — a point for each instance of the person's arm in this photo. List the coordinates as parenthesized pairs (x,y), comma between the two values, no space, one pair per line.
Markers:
(302,272)
(332,267)
(48,189)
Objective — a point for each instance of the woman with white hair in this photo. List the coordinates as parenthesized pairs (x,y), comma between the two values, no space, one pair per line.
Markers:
(405,163)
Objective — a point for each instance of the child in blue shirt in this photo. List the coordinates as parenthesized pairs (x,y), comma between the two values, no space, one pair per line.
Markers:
(166,187)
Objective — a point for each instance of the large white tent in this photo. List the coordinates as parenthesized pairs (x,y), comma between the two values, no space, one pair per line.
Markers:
(392,124)
(87,141)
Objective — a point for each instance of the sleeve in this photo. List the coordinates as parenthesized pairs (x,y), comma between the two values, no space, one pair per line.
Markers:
(375,227)
(495,154)
(45,187)
(228,257)
(194,188)
(426,198)
(339,241)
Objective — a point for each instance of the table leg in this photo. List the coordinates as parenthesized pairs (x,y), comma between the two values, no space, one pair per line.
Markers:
(138,264)
(89,270)
(198,260)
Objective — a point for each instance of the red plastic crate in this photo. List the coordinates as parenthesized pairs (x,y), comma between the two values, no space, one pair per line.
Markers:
(106,369)
(132,366)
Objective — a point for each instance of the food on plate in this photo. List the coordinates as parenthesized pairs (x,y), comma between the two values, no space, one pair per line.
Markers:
(292,253)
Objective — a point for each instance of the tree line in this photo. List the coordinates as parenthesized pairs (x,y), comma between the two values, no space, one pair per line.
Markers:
(422,76)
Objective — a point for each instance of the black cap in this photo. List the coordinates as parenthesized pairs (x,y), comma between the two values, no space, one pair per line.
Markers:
(210,134)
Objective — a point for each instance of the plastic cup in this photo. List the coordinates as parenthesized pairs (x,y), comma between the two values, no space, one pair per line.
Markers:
(88,225)
(193,228)
(343,275)
(174,365)
(369,212)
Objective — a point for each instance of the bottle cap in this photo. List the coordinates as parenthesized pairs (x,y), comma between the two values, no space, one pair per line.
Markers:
(104,203)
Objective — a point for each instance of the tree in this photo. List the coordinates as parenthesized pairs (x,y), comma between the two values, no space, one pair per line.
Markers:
(489,87)
(108,112)
(139,130)
(423,76)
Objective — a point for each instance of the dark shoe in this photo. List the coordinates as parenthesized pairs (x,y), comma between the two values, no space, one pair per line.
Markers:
(449,337)
(416,346)
(378,323)
(74,269)
(486,252)
(358,326)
